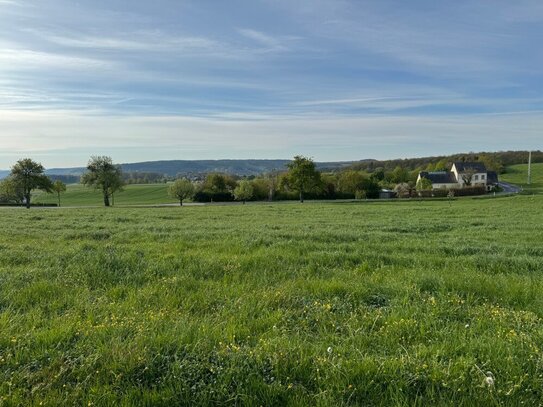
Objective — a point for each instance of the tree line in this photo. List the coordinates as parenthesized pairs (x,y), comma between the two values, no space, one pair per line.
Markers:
(494,161)
(300,180)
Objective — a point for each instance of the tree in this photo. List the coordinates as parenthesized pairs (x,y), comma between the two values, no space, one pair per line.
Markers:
(59,187)
(351,182)
(424,184)
(402,190)
(103,175)
(28,175)
(273,181)
(371,188)
(467,175)
(10,191)
(492,163)
(116,185)
(243,191)
(302,175)
(181,189)
(399,175)
(442,165)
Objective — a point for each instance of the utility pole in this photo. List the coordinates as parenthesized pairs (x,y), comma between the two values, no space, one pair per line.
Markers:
(529,167)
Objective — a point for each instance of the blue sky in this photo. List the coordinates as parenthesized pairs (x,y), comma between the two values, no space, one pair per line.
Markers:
(335,80)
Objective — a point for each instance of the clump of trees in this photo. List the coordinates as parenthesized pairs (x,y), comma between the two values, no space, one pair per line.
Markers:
(300,180)
(104,176)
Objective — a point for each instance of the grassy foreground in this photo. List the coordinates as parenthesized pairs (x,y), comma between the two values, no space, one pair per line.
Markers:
(404,303)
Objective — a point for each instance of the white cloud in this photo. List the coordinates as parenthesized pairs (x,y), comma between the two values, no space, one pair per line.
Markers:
(271,43)
(12,59)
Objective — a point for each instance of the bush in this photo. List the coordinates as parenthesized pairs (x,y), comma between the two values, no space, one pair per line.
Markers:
(440,193)
(469,191)
(207,196)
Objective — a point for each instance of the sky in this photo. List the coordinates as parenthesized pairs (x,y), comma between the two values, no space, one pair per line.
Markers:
(334,80)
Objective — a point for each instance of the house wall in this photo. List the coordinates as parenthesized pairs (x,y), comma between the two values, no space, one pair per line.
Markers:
(478,179)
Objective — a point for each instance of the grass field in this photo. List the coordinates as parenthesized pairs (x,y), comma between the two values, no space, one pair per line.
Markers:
(518,174)
(79,195)
(405,303)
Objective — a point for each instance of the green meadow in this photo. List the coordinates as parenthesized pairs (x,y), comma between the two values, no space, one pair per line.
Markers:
(379,304)
(518,174)
(136,194)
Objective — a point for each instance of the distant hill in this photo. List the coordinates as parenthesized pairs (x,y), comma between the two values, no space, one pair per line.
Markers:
(173,168)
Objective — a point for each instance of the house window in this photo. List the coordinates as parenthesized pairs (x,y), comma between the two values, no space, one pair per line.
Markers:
(476,177)
(483,176)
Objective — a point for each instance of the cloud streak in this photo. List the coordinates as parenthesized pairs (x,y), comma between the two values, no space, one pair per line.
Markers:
(336,79)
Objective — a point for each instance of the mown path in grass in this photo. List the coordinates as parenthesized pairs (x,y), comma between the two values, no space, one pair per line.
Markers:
(320,304)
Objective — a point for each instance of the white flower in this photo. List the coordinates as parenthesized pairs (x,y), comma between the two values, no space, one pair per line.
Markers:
(466,326)
(489,379)
(329,350)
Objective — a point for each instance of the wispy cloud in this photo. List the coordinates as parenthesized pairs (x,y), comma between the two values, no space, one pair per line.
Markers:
(271,43)
(335,79)
(154,41)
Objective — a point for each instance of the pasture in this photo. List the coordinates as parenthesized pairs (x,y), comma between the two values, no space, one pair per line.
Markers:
(136,194)
(518,174)
(401,303)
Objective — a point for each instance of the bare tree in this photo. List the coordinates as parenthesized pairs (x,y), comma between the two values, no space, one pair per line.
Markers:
(467,175)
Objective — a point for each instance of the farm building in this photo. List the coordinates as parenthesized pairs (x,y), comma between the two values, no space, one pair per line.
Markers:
(461,174)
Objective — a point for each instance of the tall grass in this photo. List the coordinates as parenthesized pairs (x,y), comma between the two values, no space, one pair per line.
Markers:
(409,303)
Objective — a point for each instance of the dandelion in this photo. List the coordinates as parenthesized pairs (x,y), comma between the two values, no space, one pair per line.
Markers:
(329,350)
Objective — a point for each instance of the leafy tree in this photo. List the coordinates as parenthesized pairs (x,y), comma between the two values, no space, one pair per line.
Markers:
(492,163)
(116,185)
(261,188)
(217,183)
(442,165)
(371,188)
(400,175)
(424,184)
(378,174)
(302,175)
(351,182)
(243,191)
(10,191)
(181,189)
(273,182)
(430,167)
(28,175)
(103,175)
(59,187)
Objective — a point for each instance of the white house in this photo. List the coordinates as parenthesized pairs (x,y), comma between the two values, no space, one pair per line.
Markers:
(460,175)
(472,173)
